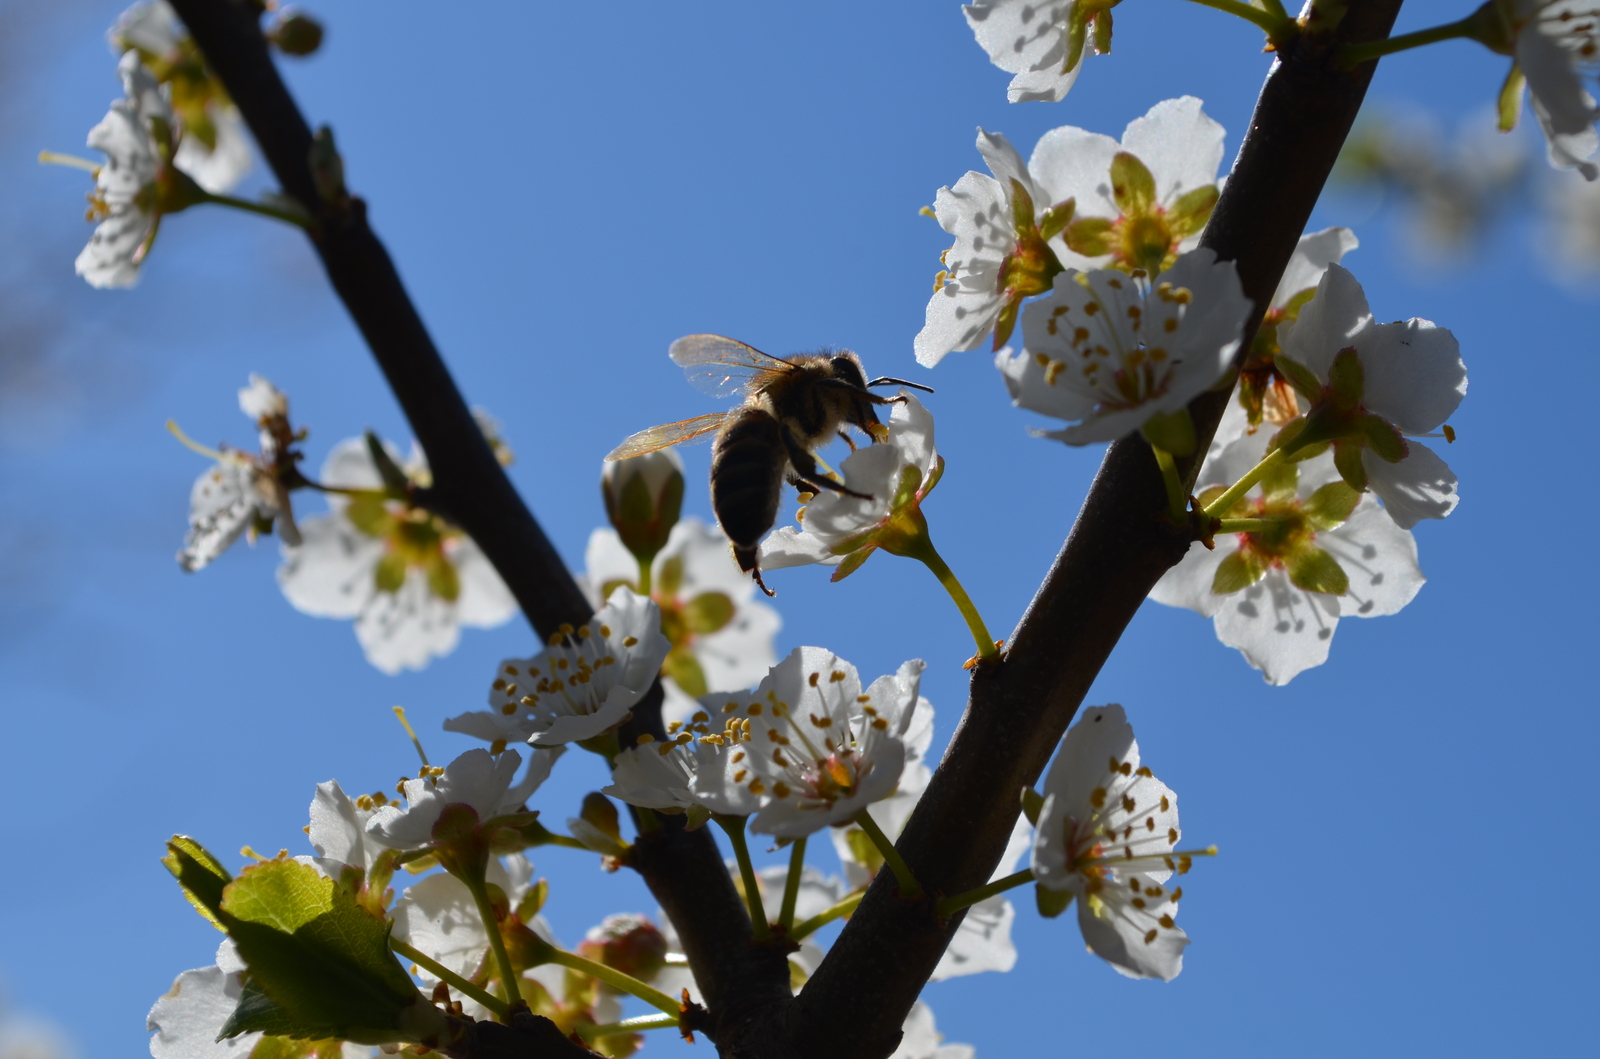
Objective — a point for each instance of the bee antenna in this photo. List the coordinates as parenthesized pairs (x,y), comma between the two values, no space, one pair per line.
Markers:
(886,381)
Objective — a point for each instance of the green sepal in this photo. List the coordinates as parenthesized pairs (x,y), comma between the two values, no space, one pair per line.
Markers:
(533,900)
(1051,902)
(1089,236)
(599,813)
(1292,307)
(1172,431)
(1509,105)
(852,562)
(1102,31)
(369,513)
(1309,452)
(708,612)
(1315,570)
(1330,507)
(1347,380)
(863,849)
(1032,805)
(670,578)
(394,479)
(1299,376)
(1077,34)
(1281,483)
(1347,461)
(442,577)
(1006,322)
(270,1047)
(390,573)
(1192,210)
(1237,572)
(1056,219)
(1132,187)
(1022,211)
(321,959)
(201,875)
(686,672)
(698,815)
(1382,438)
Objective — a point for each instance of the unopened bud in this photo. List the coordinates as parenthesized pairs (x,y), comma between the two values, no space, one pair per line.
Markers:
(643,497)
(600,813)
(295,32)
(629,943)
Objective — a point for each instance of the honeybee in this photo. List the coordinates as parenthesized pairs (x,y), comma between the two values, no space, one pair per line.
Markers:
(792,406)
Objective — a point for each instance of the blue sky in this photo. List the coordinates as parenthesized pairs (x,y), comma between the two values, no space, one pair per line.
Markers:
(565,192)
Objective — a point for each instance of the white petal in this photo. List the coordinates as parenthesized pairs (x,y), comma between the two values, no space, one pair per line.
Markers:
(607,561)
(1118,935)
(788,546)
(218,169)
(1380,559)
(644,776)
(222,505)
(1413,374)
(338,828)
(1032,387)
(485,601)
(1312,256)
(1028,39)
(1073,163)
(1280,629)
(1179,144)
(1005,163)
(330,575)
(919,1037)
(1420,486)
(408,628)
(188,1017)
(1328,323)
(981,943)
(1189,583)
(438,916)
(962,312)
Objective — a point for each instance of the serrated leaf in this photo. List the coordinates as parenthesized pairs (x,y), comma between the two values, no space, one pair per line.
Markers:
(1315,570)
(201,875)
(1238,571)
(256,1013)
(318,956)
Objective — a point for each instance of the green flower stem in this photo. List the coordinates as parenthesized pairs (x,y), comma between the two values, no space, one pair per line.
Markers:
(634,1025)
(622,983)
(565,840)
(644,574)
(921,548)
(502,958)
(449,977)
(298,219)
(1277,26)
(791,885)
(1275,8)
(1226,501)
(734,826)
(951,905)
(826,916)
(1177,502)
(1353,55)
(910,889)
(1247,525)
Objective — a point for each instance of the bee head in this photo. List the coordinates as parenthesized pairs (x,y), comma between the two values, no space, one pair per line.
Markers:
(847,369)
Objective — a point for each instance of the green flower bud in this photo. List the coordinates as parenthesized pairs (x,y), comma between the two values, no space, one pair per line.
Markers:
(643,497)
(628,943)
(296,33)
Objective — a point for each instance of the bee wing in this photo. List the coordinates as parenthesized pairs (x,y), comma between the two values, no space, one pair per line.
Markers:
(667,434)
(721,366)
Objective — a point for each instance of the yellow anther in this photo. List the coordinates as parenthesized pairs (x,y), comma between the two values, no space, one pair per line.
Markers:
(644,737)
(605,630)
(780,790)
(630,641)
(813,678)
(497,747)
(835,677)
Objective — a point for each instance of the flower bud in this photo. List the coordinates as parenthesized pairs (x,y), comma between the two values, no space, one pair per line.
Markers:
(296,33)
(643,496)
(629,943)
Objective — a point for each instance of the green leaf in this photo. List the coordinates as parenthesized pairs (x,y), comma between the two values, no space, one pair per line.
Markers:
(1238,571)
(1089,236)
(709,612)
(1051,902)
(1132,186)
(1192,210)
(320,958)
(390,573)
(256,1013)
(1171,431)
(1315,570)
(201,875)
(1331,505)
(1056,219)
(270,1047)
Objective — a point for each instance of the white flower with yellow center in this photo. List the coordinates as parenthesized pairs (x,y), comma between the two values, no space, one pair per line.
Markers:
(1042,43)
(1111,351)
(807,748)
(408,578)
(1108,836)
(583,684)
(1555,45)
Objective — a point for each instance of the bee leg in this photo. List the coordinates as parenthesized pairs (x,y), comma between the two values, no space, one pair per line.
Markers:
(755,572)
(848,440)
(805,469)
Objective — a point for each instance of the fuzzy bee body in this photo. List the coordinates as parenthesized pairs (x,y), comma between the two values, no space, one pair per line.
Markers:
(791,407)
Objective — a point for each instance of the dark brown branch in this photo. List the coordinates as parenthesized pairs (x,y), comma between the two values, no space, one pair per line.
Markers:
(683,869)
(1116,552)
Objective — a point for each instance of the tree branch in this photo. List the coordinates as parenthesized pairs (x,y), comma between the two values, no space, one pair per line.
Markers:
(1115,553)
(683,869)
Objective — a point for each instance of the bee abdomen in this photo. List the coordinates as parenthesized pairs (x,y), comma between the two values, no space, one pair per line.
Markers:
(747,468)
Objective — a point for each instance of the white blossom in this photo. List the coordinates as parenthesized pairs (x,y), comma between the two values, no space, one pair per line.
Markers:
(1556,45)
(843,531)
(807,748)
(1108,835)
(1273,594)
(721,637)
(126,199)
(409,579)
(1411,378)
(1042,42)
(921,1039)
(477,779)
(1109,351)
(584,683)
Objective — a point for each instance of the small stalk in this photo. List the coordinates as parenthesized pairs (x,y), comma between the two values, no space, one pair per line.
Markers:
(450,978)
(644,575)
(1177,502)
(1278,26)
(1247,525)
(622,983)
(951,905)
(502,958)
(791,885)
(591,1034)
(910,889)
(734,826)
(924,551)
(298,219)
(1226,501)
(1353,55)
(827,915)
